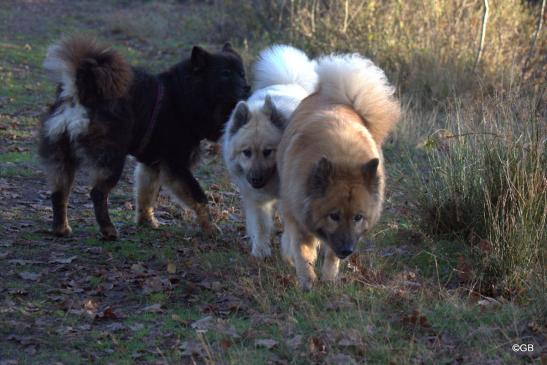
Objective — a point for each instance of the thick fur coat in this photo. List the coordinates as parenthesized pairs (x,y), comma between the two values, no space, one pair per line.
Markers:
(105,110)
(330,164)
(283,76)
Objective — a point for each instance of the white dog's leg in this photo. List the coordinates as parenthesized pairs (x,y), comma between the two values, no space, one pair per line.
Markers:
(259,223)
(147,187)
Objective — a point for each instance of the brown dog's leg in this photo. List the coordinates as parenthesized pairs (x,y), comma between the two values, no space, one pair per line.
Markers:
(330,265)
(105,180)
(186,188)
(147,188)
(61,180)
(304,253)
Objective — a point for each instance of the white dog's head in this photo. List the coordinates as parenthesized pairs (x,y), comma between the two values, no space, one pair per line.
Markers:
(253,134)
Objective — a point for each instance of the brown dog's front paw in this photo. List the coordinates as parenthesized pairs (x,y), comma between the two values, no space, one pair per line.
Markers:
(306,282)
(62,230)
(109,233)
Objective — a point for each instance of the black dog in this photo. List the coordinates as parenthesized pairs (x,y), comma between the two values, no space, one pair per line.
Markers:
(106,109)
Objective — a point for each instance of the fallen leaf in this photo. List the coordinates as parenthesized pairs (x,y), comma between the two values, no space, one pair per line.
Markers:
(115,327)
(60,260)
(30,276)
(225,343)
(171,267)
(19,292)
(316,346)
(156,284)
(107,313)
(203,324)
(343,302)
(340,359)
(138,268)
(416,318)
(217,325)
(191,348)
(266,343)
(183,322)
(294,343)
(136,327)
(351,338)
(154,308)
(463,270)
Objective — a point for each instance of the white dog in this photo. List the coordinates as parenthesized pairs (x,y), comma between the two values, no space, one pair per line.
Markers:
(283,76)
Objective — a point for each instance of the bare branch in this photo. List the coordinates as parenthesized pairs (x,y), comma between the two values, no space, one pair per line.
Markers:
(483,33)
(534,40)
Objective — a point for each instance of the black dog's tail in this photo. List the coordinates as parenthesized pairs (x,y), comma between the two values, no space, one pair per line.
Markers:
(90,72)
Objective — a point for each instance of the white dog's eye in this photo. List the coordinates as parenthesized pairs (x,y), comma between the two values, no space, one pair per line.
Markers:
(267,152)
(247,152)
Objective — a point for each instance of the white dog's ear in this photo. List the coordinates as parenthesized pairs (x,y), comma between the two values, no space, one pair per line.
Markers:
(240,117)
(273,113)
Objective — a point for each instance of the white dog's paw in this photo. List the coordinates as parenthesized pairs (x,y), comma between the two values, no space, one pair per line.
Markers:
(261,251)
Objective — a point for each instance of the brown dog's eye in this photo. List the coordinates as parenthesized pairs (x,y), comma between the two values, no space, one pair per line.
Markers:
(267,152)
(357,218)
(334,216)
(247,152)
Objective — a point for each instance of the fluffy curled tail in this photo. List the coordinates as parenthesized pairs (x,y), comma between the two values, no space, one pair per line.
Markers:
(281,64)
(88,71)
(356,81)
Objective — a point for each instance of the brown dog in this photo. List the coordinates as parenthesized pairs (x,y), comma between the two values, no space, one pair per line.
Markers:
(331,166)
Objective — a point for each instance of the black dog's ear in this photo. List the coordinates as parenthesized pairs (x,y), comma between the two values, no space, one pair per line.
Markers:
(199,58)
(370,171)
(227,47)
(240,116)
(273,113)
(320,177)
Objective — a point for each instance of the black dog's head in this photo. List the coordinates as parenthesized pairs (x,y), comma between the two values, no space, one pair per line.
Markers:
(218,83)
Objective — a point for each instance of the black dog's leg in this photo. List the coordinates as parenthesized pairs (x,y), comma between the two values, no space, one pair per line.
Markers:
(185,187)
(105,179)
(61,177)
(147,188)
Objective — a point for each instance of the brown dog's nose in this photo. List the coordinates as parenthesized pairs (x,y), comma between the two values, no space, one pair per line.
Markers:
(344,253)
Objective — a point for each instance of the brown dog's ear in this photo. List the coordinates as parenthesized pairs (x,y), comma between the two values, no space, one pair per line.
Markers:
(240,116)
(273,113)
(227,47)
(199,58)
(320,177)
(370,170)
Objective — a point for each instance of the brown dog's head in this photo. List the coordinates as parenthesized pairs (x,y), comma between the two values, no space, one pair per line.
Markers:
(343,202)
